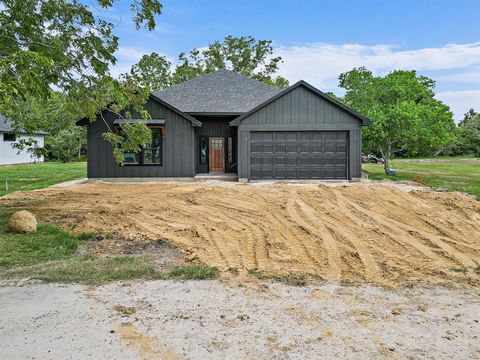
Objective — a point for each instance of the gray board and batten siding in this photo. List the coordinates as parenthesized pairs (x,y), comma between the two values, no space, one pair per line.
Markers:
(178,146)
(300,116)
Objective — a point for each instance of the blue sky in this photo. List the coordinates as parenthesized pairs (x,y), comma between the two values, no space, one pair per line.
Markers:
(320,39)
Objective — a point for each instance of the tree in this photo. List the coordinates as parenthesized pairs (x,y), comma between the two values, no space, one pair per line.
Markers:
(245,55)
(152,72)
(469,134)
(67,143)
(404,113)
(60,44)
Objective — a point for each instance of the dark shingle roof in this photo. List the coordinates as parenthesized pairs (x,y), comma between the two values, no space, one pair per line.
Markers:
(222,91)
(6,127)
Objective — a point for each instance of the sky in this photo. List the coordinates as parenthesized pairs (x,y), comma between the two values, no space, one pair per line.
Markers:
(320,39)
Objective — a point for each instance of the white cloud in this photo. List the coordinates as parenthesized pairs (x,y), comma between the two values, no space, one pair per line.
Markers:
(321,63)
(461,101)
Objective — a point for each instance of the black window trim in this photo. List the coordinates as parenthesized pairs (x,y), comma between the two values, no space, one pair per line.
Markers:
(141,153)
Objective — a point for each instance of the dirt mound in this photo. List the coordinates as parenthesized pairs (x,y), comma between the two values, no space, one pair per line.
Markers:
(373,233)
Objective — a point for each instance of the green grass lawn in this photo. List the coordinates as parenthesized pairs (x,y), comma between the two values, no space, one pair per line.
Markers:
(50,255)
(459,174)
(37,176)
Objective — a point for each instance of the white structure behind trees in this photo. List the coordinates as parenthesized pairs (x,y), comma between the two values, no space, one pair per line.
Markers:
(9,154)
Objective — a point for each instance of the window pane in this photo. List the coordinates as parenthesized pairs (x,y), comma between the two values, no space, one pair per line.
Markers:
(130,158)
(9,137)
(203,150)
(230,150)
(152,153)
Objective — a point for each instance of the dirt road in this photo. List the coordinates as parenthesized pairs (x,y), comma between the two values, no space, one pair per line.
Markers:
(352,233)
(211,320)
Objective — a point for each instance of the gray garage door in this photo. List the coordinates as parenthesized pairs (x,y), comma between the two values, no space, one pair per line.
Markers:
(298,155)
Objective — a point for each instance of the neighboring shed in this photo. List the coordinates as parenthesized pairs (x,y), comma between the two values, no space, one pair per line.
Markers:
(9,155)
(301,133)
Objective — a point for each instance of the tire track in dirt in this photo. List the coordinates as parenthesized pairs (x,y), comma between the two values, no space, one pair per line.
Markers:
(371,269)
(405,232)
(322,235)
(301,251)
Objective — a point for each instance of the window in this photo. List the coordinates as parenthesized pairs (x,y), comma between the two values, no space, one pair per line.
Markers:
(151,153)
(230,150)
(203,150)
(9,137)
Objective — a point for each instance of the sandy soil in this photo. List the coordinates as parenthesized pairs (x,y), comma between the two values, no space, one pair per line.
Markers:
(373,233)
(212,320)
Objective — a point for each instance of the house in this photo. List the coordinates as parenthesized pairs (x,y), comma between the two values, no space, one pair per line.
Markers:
(224,122)
(9,154)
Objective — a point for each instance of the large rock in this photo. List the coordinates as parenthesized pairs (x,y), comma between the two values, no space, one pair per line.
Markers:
(22,222)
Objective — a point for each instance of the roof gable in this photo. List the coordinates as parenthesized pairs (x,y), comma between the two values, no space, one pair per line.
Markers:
(85,121)
(222,91)
(7,127)
(363,120)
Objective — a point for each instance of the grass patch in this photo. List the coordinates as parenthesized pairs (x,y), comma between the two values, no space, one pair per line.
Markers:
(192,272)
(47,244)
(88,270)
(50,255)
(257,273)
(452,173)
(293,279)
(38,176)
(460,270)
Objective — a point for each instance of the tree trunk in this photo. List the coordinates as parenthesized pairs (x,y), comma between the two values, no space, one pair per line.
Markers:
(386,159)
(386,164)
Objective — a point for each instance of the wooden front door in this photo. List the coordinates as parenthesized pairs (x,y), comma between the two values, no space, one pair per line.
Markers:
(216,154)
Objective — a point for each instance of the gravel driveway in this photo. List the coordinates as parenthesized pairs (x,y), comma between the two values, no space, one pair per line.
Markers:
(211,320)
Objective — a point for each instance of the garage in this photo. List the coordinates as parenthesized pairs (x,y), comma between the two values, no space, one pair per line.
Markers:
(300,133)
(299,155)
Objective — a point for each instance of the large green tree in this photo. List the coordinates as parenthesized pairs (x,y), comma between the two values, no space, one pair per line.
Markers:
(404,112)
(62,45)
(245,55)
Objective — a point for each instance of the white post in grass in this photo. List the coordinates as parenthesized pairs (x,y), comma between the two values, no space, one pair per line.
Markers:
(6,184)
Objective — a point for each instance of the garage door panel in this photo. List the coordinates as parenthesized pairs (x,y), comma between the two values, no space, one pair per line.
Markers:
(298,154)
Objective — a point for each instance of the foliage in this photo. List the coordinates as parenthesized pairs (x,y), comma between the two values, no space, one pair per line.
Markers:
(63,45)
(452,173)
(68,143)
(152,72)
(137,134)
(405,115)
(38,176)
(468,141)
(245,55)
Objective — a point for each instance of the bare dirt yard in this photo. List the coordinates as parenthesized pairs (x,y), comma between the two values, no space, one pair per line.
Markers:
(214,320)
(378,233)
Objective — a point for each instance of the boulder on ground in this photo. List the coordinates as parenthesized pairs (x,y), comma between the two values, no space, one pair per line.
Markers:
(22,222)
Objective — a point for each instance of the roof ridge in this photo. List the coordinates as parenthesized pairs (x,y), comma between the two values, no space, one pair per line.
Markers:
(217,71)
